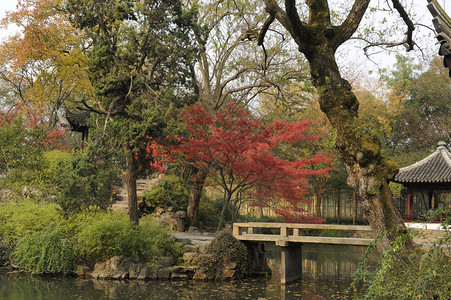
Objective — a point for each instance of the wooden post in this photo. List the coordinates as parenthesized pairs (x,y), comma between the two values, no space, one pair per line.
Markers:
(409,202)
(354,207)
(338,206)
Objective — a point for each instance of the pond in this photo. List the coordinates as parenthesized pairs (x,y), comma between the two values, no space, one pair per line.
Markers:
(327,271)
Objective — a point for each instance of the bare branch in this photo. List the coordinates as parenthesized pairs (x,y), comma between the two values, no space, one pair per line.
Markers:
(410,27)
(352,22)
(261,36)
(242,88)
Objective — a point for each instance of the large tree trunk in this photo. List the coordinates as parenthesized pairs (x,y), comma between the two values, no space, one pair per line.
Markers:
(130,178)
(368,170)
(198,180)
(318,39)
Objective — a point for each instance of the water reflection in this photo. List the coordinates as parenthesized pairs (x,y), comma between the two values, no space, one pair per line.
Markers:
(326,275)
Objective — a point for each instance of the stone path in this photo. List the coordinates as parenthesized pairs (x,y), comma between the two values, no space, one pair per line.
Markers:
(142,185)
(196,238)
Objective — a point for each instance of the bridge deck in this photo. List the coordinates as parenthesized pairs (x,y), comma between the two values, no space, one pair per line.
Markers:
(289,233)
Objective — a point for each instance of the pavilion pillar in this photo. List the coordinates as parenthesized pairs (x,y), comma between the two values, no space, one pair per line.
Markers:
(409,203)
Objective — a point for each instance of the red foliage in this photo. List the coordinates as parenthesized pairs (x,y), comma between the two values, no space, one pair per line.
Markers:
(48,138)
(238,151)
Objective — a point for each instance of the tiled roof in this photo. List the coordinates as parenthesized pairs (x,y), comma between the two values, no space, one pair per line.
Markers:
(436,168)
(442,24)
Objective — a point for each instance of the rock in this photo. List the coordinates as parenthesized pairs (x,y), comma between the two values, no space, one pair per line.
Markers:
(181,214)
(158,211)
(101,274)
(165,273)
(134,270)
(191,257)
(114,263)
(126,263)
(190,248)
(147,272)
(193,229)
(178,225)
(203,248)
(99,266)
(119,275)
(200,275)
(231,265)
(83,270)
(165,261)
(181,272)
(205,257)
(229,274)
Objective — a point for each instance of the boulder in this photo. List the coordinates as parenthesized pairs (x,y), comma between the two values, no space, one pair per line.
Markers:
(165,261)
(190,248)
(133,270)
(147,272)
(181,272)
(165,273)
(191,258)
(83,271)
(114,263)
(181,214)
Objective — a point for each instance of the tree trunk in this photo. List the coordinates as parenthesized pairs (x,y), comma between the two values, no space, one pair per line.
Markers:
(223,211)
(319,190)
(198,180)
(368,171)
(130,177)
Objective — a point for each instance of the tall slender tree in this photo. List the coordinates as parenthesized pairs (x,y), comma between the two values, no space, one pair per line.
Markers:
(140,58)
(231,67)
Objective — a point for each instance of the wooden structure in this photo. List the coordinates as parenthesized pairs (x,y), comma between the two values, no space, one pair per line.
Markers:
(76,122)
(442,24)
(430,174)
(288,237)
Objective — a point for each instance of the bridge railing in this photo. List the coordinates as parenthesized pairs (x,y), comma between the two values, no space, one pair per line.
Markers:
(284,233)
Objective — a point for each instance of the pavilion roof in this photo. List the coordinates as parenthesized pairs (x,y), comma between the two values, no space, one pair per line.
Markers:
(436,168)
(442,24)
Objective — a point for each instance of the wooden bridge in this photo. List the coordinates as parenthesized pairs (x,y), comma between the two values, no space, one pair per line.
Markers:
(288,236)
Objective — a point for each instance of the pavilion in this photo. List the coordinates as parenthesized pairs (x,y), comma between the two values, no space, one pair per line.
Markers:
(76,122)
(428,182)
(442,24)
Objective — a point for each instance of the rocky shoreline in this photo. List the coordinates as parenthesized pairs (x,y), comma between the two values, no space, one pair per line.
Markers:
(230,260)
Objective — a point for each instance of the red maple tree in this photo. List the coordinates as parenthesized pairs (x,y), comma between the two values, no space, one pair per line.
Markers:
(237,152)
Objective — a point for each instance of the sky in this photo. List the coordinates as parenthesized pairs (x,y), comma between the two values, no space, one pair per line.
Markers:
(6,5)
(351,56)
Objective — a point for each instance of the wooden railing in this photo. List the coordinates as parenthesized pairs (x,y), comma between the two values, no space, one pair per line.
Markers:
(290,233)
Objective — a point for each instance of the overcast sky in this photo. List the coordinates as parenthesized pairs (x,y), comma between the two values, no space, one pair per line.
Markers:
(357,58)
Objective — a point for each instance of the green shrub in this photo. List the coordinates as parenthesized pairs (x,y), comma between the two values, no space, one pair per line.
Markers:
(5,251)
(21,152)
(111,234)
(45,242)
(25,217)
(171,191)
(47,251)
(210,211)
(405,273)
(84,181)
